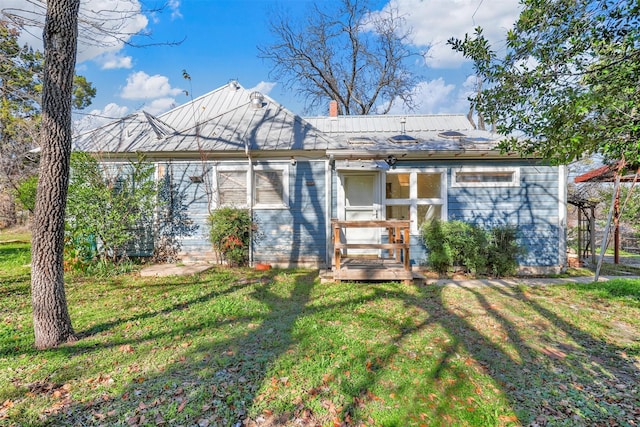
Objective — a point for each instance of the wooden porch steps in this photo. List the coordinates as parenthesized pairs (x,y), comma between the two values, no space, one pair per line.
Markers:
(395,266)
(357,271)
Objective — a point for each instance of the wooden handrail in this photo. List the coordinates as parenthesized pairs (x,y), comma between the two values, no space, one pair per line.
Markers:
(398,234)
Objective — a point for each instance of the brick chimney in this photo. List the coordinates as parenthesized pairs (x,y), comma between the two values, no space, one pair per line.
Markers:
(333,108)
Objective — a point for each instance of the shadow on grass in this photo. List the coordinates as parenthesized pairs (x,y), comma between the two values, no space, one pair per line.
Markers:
(566,377)
(225,372)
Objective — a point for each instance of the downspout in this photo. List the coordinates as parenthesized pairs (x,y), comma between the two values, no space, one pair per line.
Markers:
(562,216)
(328,173)
(250,191)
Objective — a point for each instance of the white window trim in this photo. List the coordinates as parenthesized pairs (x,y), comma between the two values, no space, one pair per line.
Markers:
(515,181)
(214,183)
(413,200)
(285,186)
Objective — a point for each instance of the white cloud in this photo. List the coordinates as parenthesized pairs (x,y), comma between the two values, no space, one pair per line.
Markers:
(174,7)
(437,97)
(97,118)
(433,22)
(140,85)
(264,87)
(159,106)
(113,60)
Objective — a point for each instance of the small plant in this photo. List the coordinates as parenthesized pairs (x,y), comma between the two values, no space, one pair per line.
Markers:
(231,232)
(467,243)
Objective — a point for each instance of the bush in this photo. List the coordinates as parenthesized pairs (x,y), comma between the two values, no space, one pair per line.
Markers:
(231,230)
(467,243)
(503,251)
(459,244)
(107,208)
(439,257)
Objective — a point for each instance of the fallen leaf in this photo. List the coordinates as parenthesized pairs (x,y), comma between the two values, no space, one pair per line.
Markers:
(126,348)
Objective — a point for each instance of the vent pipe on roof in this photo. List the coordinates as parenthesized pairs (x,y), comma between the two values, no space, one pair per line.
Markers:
(233,85)
(256,100)
(403,122)
(333,108)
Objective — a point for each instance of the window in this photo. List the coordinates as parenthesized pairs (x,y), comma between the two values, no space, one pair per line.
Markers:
(485,177)
(398,186)
(231,187)
(415,195)
(271,185)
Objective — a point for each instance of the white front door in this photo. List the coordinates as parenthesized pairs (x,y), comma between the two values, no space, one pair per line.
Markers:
(360,202)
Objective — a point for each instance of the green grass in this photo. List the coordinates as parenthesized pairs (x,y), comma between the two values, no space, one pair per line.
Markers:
(281,348)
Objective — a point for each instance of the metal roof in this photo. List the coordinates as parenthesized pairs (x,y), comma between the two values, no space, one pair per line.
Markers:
(607,173)
(233,119)
(410,133)
(222,120)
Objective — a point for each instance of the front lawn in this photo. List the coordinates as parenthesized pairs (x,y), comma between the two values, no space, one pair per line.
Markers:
(280,348)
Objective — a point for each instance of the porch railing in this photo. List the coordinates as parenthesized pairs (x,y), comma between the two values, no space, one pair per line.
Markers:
(397,246)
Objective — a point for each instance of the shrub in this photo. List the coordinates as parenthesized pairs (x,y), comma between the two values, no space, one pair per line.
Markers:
(503,251)
(467,243)
(231,230)
(107,207)
(439,257)
(460,244)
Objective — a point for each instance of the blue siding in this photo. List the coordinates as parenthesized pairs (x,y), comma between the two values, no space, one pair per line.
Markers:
(298,234)
(192,197)
(532,207)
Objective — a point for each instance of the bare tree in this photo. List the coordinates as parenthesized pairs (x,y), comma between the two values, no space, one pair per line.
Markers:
(349,54)
(51,321)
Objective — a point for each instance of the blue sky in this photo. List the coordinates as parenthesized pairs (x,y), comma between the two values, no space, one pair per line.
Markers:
(219,43)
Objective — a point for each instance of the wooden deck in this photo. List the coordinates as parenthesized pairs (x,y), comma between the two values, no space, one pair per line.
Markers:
(395,266)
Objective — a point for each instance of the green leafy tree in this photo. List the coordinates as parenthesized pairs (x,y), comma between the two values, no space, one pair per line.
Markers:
(21,84)
(108,207)
(566,84)
(629,204)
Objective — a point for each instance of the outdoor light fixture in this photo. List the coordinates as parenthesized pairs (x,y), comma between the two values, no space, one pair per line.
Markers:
(391,160)
(293,161)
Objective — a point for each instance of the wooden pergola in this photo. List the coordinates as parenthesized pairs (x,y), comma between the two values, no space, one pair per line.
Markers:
(617,172)
(586,227)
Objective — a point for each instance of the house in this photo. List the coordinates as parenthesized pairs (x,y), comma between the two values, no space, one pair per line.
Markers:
(237,147)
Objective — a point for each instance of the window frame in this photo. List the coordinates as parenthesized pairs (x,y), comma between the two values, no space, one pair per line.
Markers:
(515,176)
(230,168)
(413,201)
(284,169)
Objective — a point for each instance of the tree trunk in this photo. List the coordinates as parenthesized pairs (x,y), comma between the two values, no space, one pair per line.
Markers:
(51,321)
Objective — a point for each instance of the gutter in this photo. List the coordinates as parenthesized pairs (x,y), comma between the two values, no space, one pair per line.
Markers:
(418,154)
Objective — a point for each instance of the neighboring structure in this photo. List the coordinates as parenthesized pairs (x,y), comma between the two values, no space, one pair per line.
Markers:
(234,147)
